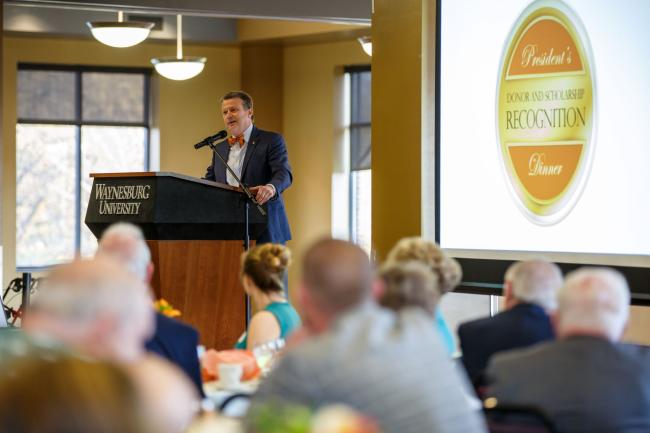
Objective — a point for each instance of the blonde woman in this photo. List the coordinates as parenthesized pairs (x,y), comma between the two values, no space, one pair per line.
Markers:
(263,271)
(409,284)
(446,270)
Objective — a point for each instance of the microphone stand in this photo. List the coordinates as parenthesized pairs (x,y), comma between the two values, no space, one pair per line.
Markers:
(247,202)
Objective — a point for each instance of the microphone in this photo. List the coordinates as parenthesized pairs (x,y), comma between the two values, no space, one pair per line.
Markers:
(208,140)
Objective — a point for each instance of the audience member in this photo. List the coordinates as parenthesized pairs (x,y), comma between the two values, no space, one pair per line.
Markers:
(68,395)
(264,269)
(529,289)
(446,269)
(409,284)
(93,307)
(585,381)
(388,365)
(172,339)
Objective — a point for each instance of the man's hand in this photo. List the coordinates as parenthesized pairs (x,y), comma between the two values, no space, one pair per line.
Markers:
(263,193)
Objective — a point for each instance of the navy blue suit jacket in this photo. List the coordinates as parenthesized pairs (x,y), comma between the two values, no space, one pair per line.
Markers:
(521,326)
(266,161)
(177,342)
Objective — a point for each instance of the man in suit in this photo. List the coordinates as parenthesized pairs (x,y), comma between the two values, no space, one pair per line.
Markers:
(586,381)
(391,366)
(529,289)
(260,160)
(172,339)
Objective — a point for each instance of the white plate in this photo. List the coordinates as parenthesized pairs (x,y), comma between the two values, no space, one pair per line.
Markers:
(215,386)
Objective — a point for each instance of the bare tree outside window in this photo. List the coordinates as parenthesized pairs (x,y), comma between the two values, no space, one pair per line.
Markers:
(72,121)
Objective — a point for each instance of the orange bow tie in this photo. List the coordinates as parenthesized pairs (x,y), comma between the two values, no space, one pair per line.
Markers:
(239,139)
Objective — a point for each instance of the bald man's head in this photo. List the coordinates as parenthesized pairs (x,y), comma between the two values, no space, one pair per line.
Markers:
(337,275)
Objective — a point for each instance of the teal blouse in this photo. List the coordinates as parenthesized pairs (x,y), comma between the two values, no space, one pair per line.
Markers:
(445,332)
(286,316)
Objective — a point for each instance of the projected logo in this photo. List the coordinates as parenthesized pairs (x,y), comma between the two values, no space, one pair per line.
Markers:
(545,110)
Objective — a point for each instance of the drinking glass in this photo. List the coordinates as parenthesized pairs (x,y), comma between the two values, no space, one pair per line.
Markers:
(266,354)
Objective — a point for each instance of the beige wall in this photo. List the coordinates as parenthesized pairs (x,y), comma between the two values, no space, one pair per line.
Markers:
(187,111)
(638,329)
(262,75)
(312,84)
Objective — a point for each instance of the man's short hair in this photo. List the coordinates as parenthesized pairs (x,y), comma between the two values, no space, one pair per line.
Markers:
(247,100)
(337,274)
(535,282)
(594,301)
(125,243)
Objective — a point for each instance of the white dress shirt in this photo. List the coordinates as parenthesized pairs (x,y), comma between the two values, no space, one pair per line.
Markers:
(236,157)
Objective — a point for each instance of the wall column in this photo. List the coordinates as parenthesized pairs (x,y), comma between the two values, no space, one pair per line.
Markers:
(396,121)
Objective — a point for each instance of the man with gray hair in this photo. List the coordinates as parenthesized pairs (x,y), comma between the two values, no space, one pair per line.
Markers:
(586,381)
(391,366)
(94,307)
(172,339)
(125,243)
(529,290)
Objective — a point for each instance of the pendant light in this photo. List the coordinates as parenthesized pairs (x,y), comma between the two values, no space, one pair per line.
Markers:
(366,44)
(179,67)
(120,33)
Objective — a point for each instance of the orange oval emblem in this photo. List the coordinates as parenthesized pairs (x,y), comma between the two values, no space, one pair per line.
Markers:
(546,109)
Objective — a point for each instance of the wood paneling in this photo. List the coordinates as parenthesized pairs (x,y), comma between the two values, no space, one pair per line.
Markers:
(201,279)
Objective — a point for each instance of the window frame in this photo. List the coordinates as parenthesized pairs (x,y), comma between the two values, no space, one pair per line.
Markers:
(354,126)
(78,123)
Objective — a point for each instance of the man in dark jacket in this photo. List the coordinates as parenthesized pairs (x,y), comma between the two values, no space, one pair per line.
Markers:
(529,290)
(259,158)
(586,381)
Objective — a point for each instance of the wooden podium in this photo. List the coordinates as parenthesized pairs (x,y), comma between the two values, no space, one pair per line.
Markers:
(194,229)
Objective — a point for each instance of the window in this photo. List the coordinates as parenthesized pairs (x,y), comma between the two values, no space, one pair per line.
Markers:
(72,121)
(360,145)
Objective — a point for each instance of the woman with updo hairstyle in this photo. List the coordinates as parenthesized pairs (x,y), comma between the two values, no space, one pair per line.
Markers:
(264,268)
(409,284)
(446,270)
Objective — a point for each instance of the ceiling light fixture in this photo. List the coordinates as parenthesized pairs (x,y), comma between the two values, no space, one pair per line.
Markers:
(120,33)
(366,44)
(179,67)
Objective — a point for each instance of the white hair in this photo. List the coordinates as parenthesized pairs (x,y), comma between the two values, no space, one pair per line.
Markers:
(535,282)
(76,298)
(82,291)
(594,301)
(125,243)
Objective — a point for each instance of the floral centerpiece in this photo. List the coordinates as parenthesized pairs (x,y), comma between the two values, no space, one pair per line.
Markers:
(336,418)
(165,308)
